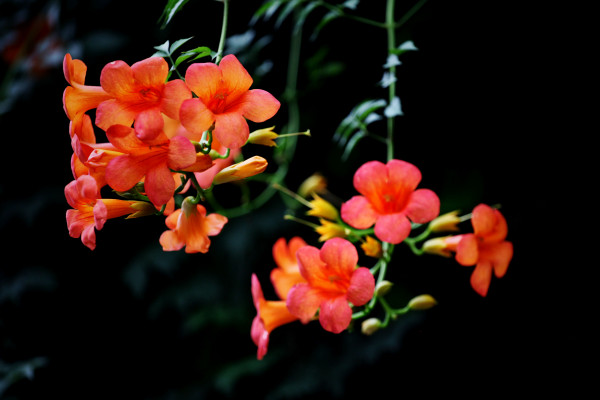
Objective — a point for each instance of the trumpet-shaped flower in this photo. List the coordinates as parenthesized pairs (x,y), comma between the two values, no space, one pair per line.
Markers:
(389,200)
(90,211)
(245,169)
(485,248)
(287,273)
(139,93)
(332,281)
(224,99)
(79,98)
(151,160)
(270,314)
(189,226)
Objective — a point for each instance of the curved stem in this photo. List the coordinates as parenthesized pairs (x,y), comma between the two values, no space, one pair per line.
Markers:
(221,48)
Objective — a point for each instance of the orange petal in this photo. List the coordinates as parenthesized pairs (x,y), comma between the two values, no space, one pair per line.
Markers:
(195,117)
(231,129)
(467,251)
(204,79)
(481,277)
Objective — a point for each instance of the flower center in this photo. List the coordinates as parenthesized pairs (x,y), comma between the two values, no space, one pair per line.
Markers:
(218,102)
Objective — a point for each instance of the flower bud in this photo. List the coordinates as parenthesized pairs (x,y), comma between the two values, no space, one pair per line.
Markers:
(322,208)
(329,230)
(245,169)
(143,209)
(383,287)
(263,137)
(422,302)
(371,247)
(370,326)
(445,223)
(437,246)
(315,183)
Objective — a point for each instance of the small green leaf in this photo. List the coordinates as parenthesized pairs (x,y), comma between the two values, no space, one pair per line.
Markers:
(178,44)
(352,143)
(163,49)
(266,11)
(286,11)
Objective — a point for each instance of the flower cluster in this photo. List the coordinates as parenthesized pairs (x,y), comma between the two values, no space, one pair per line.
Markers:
(162,137)
(327,284)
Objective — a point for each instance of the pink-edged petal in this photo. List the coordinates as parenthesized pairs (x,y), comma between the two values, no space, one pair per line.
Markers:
(303,302)
(403,174)
(175,93)
(100,214)
(113,112)
(204,79)
(423,206)
(214,223)
(258,105)
(124,138)
(231,130)
(335,315)
(309,262)
(358,213)
(195,117)
(256,289)
(339,254)
(370,178)
(159,184)
(481,277)
(124,172)
(236,79)
(88,237)
(392,228)
(149,124)
(151,72)
(182,153)
(467,250)
(116,78)
(260,337)
(362,287)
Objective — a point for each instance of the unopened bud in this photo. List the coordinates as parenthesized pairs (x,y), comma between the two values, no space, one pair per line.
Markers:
(316,183)
(329,230)
(383,287)
(422,302)
(263,137)
(371,247)
(245,169)
(437,246)
(445,223)
(322,208)
(143,209)
(370,326)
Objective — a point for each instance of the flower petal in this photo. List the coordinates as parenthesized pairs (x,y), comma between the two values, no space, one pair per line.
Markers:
(309,262)
(423,206)
(358,213)
(116,78)
(149,124)
(501,257)
(392,228)
(362,287)
(369,178)
(170,241)
(335,315)
(303,302)
(340,255)
(204,79)
(182,153)
(481,277)
(467,250)
(214,223)
(195,117)
(236,79)
(403,174)
(113,112)
(174,94)
(124,172)
(258,105)
(231,130)
(159,184)
(151,72)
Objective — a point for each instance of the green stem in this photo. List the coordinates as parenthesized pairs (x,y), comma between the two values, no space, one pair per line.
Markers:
(391,36)
(221,48)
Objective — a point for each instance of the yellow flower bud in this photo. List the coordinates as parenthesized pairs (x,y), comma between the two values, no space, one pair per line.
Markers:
(329,230)
(316,183)
(143,209)
(370,326)
(422,302)
(445,223)
(263,137)
(322,208)
(245,169)
(437,246)
(371,247)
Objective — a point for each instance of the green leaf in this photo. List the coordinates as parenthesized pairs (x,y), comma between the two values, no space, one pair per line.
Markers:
(266,10)
(352,143)
(286,11)
(163,50)
(304,14)
(178,44)
(358,119)
(404,47)
(327,18)
(172,8)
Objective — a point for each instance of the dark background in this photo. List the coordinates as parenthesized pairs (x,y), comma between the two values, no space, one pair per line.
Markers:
(131,321)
